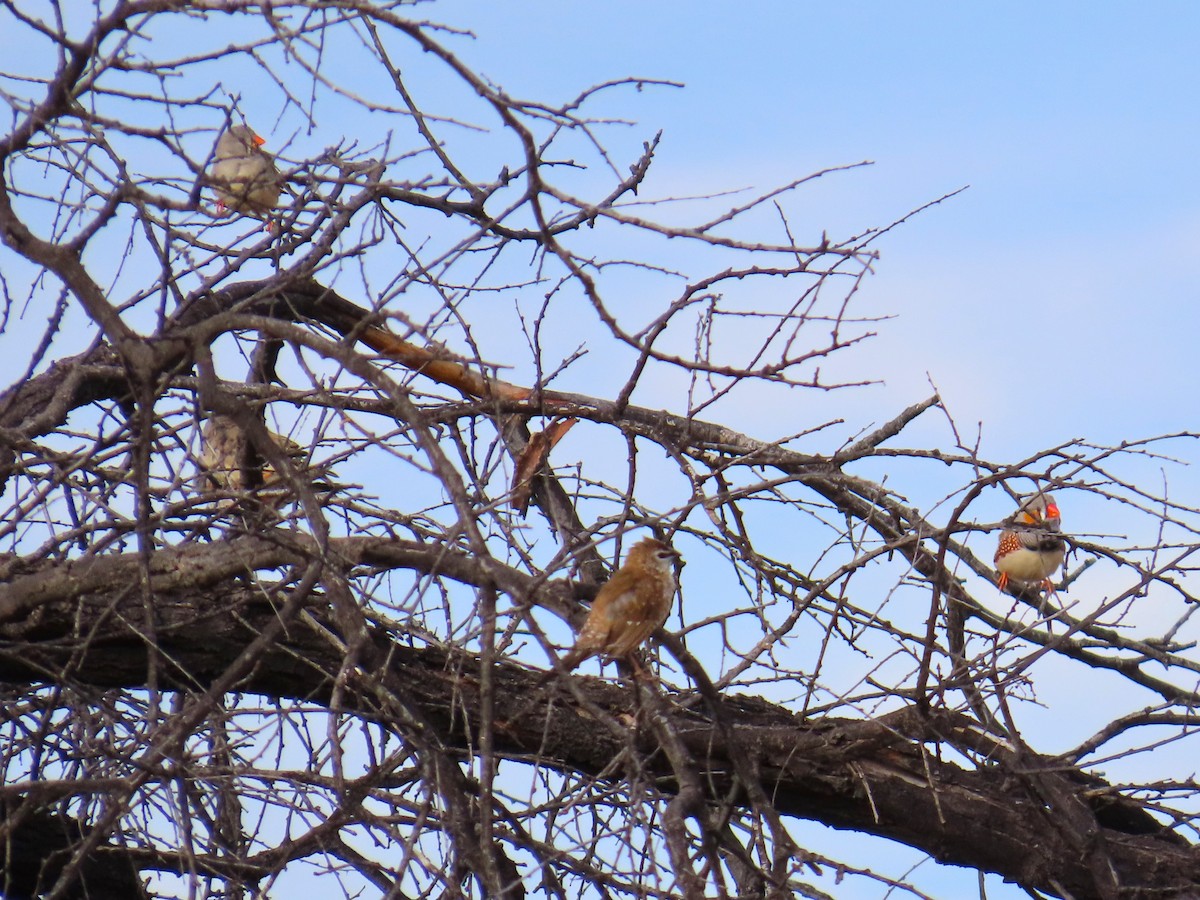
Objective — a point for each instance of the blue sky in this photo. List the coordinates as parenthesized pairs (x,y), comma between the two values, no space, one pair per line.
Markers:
(1052,299)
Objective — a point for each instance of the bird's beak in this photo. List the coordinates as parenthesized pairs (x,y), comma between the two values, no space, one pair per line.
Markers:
(258,142)
(1052,511)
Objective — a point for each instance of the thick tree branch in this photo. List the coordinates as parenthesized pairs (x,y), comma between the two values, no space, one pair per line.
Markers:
(873,776)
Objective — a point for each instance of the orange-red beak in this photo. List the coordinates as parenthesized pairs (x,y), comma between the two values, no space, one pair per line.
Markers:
(259,141)
(1052,511)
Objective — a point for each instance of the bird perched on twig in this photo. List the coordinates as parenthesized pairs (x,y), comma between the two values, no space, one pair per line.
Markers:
(1031,546)
(228,462)
(630,605)
(244,174)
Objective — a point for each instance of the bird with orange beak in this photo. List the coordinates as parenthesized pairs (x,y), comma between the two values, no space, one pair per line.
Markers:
(1031,547)
(243,174)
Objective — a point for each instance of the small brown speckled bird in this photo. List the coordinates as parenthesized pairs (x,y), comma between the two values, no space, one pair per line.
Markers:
(243,174)
(629,606)
(226,456)
(1031,547)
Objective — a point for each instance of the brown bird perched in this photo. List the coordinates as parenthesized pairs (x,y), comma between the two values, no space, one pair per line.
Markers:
(243,174)
(1031,547)
(226,457)
(629,606)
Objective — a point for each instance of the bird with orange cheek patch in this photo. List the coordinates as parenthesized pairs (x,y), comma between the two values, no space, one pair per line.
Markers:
(1031,547)
(243,174)
(630,605)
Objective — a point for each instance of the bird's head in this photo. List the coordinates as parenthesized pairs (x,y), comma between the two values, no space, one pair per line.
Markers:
(1039,510)
(652,553)
(238,140)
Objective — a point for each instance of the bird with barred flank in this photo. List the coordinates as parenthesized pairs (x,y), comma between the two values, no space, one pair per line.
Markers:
(630,606)
(1031,546)
(243,174)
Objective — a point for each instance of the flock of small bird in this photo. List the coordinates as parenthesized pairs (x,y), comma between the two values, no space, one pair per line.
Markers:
(636,601)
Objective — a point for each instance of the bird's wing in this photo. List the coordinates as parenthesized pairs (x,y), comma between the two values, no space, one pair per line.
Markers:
(235,169)
(635,617)
(248,178)
(1040,539)
(622,608)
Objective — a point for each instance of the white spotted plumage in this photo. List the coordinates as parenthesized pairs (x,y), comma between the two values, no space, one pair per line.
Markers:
(1031,547)
(630,605)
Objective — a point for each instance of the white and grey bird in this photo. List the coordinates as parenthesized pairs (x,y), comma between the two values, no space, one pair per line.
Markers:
(244,175)
(1031,546)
